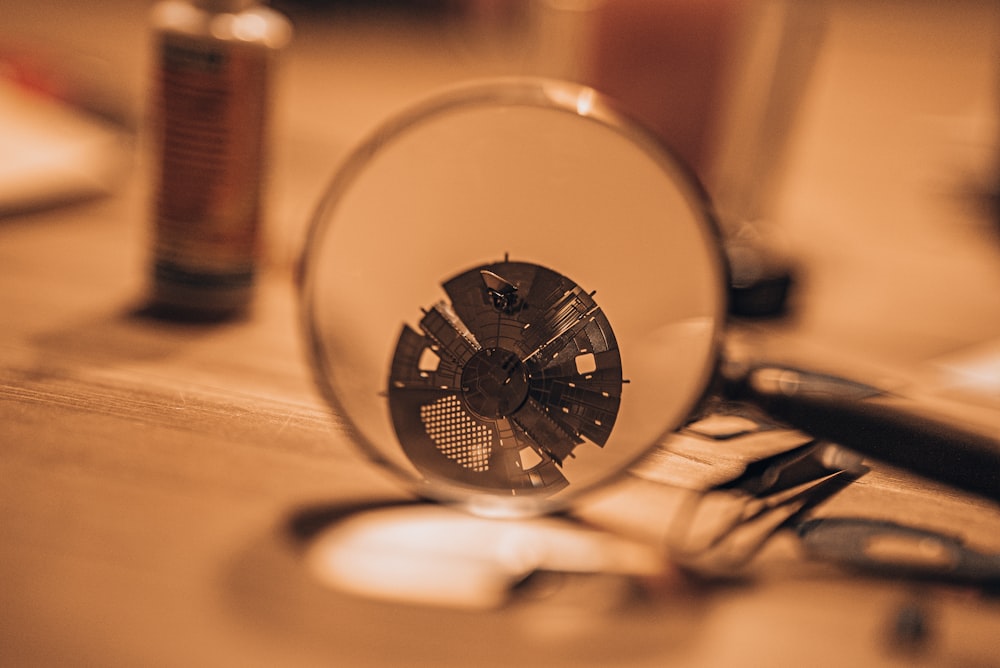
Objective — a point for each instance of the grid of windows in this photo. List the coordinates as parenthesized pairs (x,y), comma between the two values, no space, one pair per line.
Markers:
(457,435)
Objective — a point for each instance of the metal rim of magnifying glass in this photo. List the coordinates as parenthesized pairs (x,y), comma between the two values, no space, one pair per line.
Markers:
(571,98)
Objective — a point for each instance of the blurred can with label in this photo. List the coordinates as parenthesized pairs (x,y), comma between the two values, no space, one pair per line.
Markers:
(210,114)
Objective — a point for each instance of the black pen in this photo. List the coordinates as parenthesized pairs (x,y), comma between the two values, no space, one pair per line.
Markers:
(885,426)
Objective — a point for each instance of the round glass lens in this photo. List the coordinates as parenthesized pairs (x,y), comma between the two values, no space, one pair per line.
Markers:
(511,293)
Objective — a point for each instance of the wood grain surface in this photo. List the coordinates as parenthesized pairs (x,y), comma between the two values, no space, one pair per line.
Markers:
(150,471)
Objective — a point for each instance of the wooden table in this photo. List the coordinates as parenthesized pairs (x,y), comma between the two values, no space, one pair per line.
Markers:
(149,469)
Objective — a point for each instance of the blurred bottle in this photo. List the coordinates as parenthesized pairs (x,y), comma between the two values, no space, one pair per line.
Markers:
(720,81)
(213,65)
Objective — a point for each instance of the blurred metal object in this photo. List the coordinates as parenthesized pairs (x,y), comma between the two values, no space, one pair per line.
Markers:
(896,429)
(720,531)
(889,548)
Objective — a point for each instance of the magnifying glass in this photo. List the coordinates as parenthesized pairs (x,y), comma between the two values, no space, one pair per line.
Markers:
(512,292)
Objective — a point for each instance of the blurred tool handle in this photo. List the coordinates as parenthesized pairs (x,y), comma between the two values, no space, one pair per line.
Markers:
(886,427)
(887,547)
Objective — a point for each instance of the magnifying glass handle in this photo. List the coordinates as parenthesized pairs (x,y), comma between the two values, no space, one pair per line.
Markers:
(884,426)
